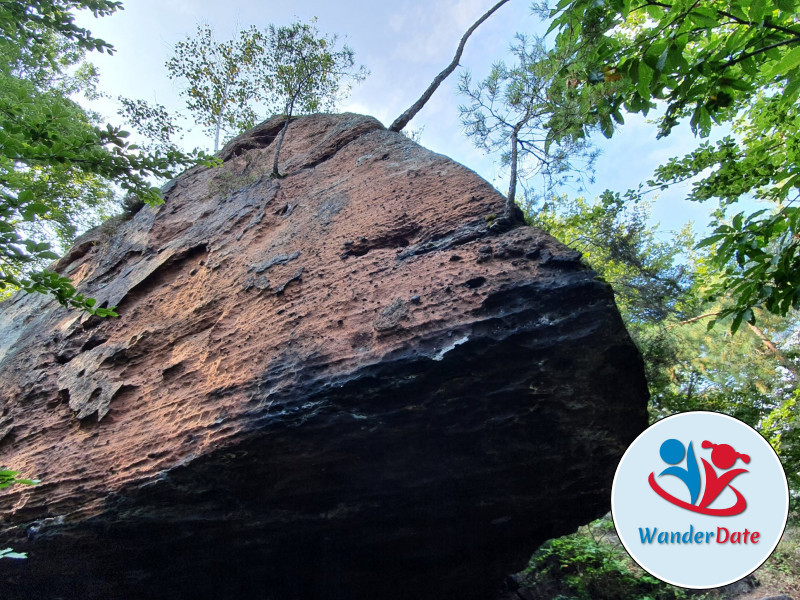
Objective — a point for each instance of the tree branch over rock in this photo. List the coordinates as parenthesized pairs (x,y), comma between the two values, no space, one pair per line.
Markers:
(401,121)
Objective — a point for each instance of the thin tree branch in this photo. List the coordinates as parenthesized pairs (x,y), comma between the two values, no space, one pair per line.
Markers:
(765,24)
(747,55)
(512,184)
(695,319)
(646,4)
(785,362)
(403,119)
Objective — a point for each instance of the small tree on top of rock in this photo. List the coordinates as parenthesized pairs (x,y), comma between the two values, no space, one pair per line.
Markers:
(225,78)
(306,72)
(518,110)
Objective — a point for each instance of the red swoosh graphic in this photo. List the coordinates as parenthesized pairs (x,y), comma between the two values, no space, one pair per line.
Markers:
(737,508)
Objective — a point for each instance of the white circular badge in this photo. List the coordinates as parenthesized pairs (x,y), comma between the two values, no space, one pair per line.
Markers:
(700,500)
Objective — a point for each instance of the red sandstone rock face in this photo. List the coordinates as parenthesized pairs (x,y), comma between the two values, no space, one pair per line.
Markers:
(330,385)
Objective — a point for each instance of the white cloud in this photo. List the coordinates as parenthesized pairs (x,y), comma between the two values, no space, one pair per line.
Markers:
(465,12)
(397,21)
(431,31)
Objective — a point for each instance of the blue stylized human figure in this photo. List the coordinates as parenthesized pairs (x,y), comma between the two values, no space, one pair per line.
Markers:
(672,452)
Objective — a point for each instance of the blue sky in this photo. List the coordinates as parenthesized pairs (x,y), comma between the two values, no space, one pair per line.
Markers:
(404,44)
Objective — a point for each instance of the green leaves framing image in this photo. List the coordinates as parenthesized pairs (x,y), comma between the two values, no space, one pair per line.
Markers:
(7,479)
(57,165)
(712,63)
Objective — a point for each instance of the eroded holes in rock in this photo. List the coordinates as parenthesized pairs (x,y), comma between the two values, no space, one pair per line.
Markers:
(475,282)
(64,357)
(120,357)
(94,342)
(258,139)
(92,419)
(173,371)
(91,321)
(361,340)
(61,398)
(163,273)
(394,239)
(124,393)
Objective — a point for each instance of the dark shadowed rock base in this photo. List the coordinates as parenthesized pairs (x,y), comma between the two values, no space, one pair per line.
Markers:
(337,385)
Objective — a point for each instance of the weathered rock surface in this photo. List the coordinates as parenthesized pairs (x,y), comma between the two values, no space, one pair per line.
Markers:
(335,385)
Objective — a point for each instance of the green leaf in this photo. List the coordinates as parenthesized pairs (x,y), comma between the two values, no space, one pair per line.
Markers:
(644,81)
(757,11)
(737,321)
(606,127)
(36,209)
(25,196)
(704,17)
(709,241)
(662,59)
(790,61)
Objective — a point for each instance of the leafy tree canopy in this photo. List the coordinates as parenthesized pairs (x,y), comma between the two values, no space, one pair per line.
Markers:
(56,163)
(284,70)
(27,23)
(307,72)
(704,58)
(735,63)
(225,79)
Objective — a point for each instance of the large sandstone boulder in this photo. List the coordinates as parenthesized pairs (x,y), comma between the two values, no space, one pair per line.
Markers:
(340,384)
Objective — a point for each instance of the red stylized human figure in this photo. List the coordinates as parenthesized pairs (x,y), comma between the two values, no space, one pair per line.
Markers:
(724,457)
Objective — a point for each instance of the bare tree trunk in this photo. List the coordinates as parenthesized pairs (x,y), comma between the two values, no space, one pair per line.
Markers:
(768,344)
(275,172)
(219,116)
(403,119)
(278,147)
(512,214)
(775,351)
(216,137)
(512,185)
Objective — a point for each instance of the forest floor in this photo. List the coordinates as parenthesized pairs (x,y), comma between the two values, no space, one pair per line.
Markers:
(591,564)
